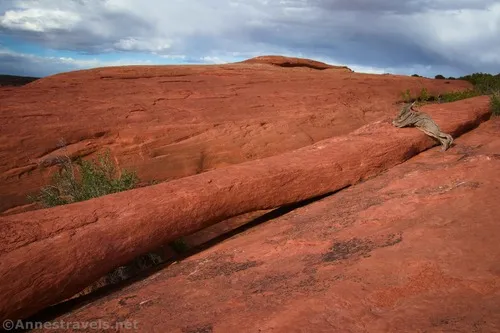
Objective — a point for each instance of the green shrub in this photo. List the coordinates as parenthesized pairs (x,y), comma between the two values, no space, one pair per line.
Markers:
(424,95)
(421,98)
(83,180)
(406,96)
(483,84)
(495,103)
(439,77)
(458,95)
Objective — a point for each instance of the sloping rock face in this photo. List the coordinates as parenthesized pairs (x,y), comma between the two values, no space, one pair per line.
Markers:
(293,62)
(51,254)
(168,122)
(412,250)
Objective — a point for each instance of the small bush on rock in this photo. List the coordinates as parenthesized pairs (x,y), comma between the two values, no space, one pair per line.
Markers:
(82,180)
(495,103)
(458,95)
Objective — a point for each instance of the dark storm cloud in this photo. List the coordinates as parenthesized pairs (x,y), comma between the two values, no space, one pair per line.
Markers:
(399,6)
(346,44)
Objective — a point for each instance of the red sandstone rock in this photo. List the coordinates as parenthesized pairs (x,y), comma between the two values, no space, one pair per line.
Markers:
(168,122)
(412,250)
(293,62)
(49,255)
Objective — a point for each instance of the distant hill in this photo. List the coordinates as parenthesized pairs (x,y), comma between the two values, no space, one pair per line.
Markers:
(14,80)
(292,62)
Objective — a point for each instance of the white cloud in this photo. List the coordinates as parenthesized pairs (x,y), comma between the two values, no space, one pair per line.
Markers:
(153,45)
(469,35)
(213,60)
(367,69)
(39,20)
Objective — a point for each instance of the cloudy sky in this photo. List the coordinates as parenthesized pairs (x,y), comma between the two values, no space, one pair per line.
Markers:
(427,37)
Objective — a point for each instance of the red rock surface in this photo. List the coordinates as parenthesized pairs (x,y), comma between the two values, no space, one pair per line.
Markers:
(168,122)
(293,62)
(412,250)
(59,251)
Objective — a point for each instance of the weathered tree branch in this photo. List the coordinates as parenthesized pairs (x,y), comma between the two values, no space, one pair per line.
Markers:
(410,117)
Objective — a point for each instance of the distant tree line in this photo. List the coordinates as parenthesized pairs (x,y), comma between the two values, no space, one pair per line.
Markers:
(14,80)
(483,82)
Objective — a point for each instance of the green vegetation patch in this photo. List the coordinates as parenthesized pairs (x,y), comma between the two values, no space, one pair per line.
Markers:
(483,84)
(82,180)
